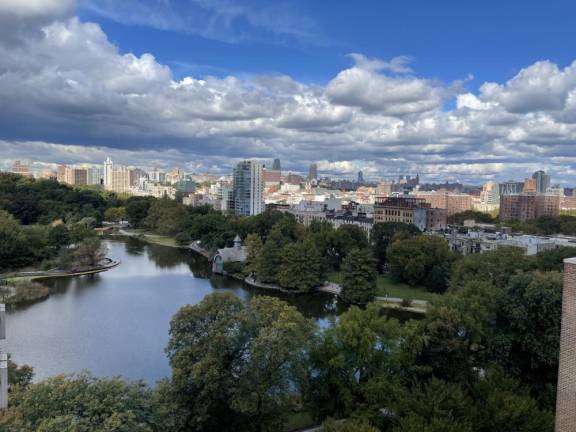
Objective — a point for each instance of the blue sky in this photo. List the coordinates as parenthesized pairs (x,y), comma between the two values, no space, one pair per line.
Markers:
(447,39)
(454,90)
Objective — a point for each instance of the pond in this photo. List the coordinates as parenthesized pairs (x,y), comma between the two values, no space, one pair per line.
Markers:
(117,322)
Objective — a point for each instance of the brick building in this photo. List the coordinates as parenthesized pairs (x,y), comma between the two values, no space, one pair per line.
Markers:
(528,206)
(566,393)
(451,202)
(409,210)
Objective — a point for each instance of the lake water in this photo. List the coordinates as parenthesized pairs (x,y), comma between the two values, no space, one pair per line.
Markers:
(117,322)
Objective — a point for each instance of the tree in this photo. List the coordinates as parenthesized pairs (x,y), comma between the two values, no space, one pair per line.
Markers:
(269,259)
(254,245)
(166,217)
(353,357)
(115,214)
(358,277)
(234,365)
(495,267)
(19,376)
(382,235)
(89,254)
(302,267)
(457,330)
(59,236)
(435,406)
(84,403)
(422,260)
(528,323)
(554,259)
(137,210)
(459,218)
(183,239)
(15,251)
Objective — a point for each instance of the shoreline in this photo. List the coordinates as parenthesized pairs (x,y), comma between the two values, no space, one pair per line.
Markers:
(33,275)
(327,288)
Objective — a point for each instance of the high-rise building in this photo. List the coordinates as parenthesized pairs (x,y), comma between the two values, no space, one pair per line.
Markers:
(157,176)
(108,168)
(95,175)
(313,172)
(276,165)
(20,168)
(566,390)
(248,189)
(360,177)
(61,173)
(76,176)
(119,180)
(137,174)
(542,181)
(490,193)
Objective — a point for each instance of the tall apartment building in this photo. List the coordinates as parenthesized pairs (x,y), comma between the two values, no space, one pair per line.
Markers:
(248,188)
(76,176)
(566,392)
(451,202)
(108,168)
(529,185)
(528,205)
(490,193)
(409,210)
(119,180)
(272,176)
(313,172)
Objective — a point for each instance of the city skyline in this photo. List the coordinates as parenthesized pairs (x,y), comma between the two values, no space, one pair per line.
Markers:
(358,107)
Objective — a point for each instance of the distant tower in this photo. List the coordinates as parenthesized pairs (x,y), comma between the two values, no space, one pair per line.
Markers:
(566,395)
(360,177)
(542,181)
(313,172)
(108,167)
(276,165)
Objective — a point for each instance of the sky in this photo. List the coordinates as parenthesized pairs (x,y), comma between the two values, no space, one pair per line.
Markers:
(452,90)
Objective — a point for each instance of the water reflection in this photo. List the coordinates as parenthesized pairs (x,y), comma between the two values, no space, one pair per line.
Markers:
(117,322)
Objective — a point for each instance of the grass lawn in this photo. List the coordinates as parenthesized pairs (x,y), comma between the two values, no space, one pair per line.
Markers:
(386,285)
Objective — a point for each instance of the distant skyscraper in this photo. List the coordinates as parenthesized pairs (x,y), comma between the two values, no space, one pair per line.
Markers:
(313,172)
(248,189)
(542,181)
(360,177)
(511,187)
(108,168)
(276,165)
(490,193)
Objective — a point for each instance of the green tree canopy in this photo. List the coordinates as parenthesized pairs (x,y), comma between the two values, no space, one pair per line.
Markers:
(358,277)
(302,267)
(421,260)
(84,403)
(233,364)
(382,234)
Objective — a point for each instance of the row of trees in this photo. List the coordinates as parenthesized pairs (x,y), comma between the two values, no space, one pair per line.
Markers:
(483,359)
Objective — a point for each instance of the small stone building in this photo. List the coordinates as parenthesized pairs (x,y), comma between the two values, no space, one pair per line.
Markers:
(236,253)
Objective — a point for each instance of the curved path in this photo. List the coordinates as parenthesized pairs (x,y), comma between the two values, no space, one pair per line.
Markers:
(110,263)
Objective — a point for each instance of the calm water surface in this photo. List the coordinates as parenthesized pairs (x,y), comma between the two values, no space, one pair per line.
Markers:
(117,322)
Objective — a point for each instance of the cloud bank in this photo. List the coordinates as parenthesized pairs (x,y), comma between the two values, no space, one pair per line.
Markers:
(65,86)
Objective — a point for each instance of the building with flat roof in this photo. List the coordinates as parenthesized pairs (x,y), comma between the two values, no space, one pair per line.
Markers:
(248,188)
(528,206)
(409,210)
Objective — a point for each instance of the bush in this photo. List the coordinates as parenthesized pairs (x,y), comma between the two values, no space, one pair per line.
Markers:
(234,267)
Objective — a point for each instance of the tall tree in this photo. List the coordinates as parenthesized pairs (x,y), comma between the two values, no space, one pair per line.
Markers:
(302,266)
(358,277)
(234,365)
(269,259)
(382,235)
